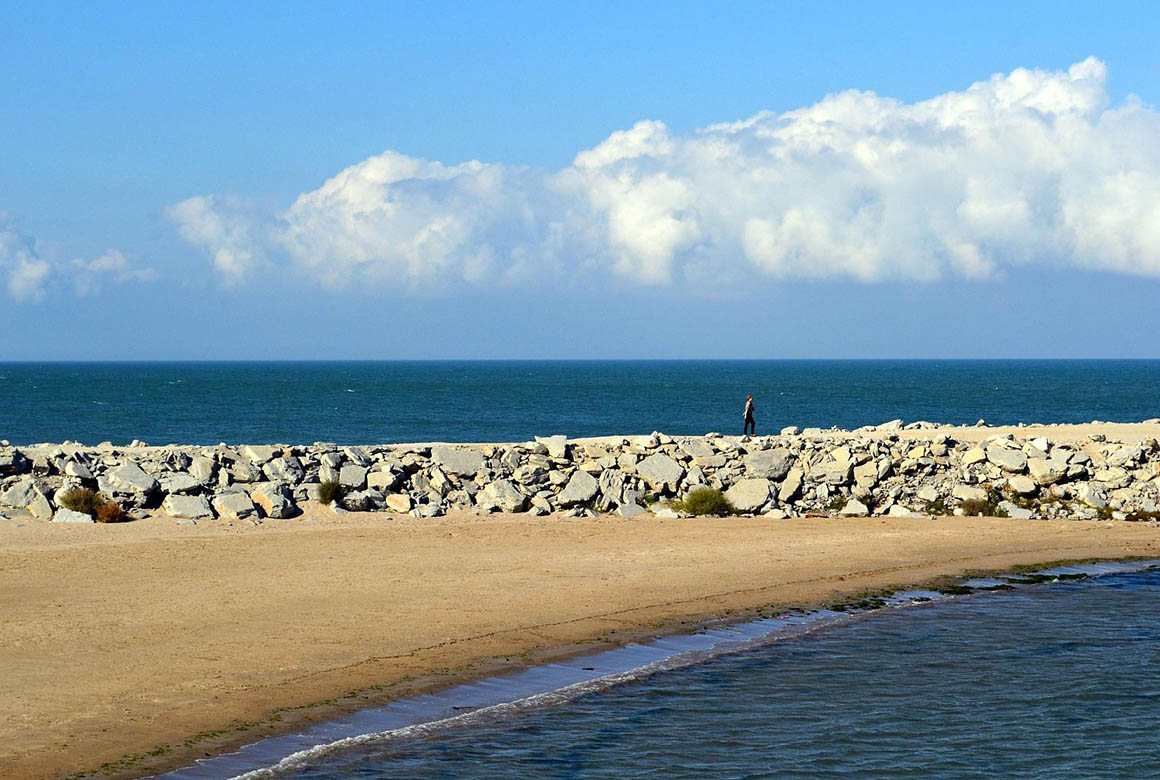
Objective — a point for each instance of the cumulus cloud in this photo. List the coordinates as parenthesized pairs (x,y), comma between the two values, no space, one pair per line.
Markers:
(1033,167)
(28,276)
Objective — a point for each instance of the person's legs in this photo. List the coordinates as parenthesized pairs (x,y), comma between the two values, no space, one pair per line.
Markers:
(749,425)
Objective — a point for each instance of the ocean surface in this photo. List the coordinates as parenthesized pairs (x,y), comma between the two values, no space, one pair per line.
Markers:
(1043,680)
(383,402)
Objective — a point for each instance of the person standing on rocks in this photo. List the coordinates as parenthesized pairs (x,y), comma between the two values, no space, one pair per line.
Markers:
(750,425)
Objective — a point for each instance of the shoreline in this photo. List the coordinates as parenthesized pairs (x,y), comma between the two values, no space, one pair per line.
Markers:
(572,586)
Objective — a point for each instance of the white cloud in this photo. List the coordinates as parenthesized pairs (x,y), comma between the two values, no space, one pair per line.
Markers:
(29,276)
(1030,167)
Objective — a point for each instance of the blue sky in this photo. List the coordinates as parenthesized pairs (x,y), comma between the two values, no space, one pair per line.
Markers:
(172,180)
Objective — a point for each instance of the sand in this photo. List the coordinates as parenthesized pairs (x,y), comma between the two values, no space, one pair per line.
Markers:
(119,640)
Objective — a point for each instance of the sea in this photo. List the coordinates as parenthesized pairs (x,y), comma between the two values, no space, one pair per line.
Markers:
(1057,678)
(463,401)
(1052,675)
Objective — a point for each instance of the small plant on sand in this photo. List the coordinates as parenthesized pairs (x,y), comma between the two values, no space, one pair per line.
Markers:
(110,512)
(648,499)
(704,501)
(96,505)
(330,491)
(82,500)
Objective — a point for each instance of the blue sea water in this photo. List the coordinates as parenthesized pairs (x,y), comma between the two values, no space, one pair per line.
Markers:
(1045,681)
(383,402)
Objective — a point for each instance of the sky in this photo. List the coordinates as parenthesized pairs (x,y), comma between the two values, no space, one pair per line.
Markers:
(586,180)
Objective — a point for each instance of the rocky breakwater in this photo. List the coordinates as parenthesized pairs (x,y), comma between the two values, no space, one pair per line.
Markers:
(872,471)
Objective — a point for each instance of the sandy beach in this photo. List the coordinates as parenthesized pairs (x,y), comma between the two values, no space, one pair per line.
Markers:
(130,639)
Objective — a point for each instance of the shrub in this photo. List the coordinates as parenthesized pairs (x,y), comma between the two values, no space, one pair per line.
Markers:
(331,491)
(705,501)
(988,507)
(110,512)
(82,500)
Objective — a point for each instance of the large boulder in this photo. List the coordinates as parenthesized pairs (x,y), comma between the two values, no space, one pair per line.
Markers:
(287,469)
(463,463)
(275,500)
(969,493)
(749,495)
(399,502)
(177,482)
(1046,471)
(234,506)
(187,507)
(854,508)
(557,445)
(504,495)
(69,516)
(660,472)
(27,494)
(791,486)
(352,476)
(582,487)
(129,482)
(769,464)
(1012,461)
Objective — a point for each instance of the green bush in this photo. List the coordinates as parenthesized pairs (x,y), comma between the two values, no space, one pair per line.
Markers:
(705,501)
(331,491)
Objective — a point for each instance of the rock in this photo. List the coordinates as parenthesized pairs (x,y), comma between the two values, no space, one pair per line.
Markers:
(790,430)
(928,493)
(974,455)
(898,510)
(463,463)
(697,448)
(866,475)
(504,495)
(791,486)
(581,488)
(27,494)
(776,514)
(749,495)
(187,507)
(202,469)
(661,472)
(382,480)
(1090,494)
(129,480)
(352,476)
(287,469)
(854,508)
(234,506)
(769,464)
(557,445)
(891,427)
(258,454)
(969,493)
(1012,510)
(69,516)
(631,510)
(399,502)
(1024,486)
(177,482)
(275,501)
(663,510)
(78,470)
(426,510)
(1046,472)
(1012,461)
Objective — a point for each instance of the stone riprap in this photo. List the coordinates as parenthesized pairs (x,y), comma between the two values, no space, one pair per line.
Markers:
(871,471)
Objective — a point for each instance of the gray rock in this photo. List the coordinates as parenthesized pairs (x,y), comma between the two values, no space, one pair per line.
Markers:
(382,480)
(749,495)
(898,510)
(259,454)
(127,479)
(287,469)
(697,448)
(969,493)
(1024,486)
(1045,471)
(1012,461)
(928,493)
(791,486)
(203,469)
(464,463)
(69,516)
(78,470)
(275,501)
(557,445)
(769,464)
(187,507)
(631,510)
(1092,495)
(581,488)
(854,508)
(354,477)
(1014,511)
(660,472)
(177,482)
(790,430)
(427,510)
(504,495)
(234,506)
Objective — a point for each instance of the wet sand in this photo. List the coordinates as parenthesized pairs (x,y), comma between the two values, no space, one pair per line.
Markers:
(126,639)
